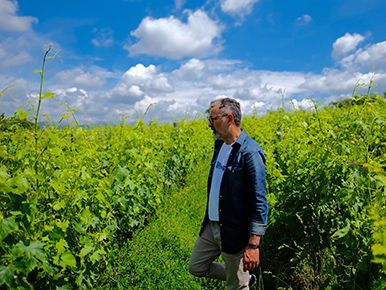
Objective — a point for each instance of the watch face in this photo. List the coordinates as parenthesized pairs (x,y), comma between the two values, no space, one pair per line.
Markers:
(254,246)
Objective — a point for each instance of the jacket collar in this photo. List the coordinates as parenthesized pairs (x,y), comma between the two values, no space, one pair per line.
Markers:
(240,140)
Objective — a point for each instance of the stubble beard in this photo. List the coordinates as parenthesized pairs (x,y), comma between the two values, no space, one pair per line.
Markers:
(218,135)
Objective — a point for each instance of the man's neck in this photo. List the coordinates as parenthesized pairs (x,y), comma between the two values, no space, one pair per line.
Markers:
(234,133)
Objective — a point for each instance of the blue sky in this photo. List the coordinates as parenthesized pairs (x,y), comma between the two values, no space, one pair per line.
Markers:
(117,57)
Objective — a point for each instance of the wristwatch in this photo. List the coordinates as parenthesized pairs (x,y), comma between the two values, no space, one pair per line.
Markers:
(253,246)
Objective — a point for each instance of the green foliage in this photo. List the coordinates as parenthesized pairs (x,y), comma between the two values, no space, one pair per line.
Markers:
(63,208)
(15,123)
(157,256)
(323,195)
(327,230)
(67,195)
(356,101)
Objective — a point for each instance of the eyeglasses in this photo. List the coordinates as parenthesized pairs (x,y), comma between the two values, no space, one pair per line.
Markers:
(211,119)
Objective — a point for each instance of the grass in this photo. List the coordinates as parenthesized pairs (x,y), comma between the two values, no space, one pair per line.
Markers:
(157,256)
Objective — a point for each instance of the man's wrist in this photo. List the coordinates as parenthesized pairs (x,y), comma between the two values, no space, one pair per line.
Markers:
(253,245)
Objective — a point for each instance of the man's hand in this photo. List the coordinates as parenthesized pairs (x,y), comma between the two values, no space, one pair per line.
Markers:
(251,256)
(251,259)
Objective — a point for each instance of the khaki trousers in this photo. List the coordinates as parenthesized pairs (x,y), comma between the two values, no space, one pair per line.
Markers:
(207,249)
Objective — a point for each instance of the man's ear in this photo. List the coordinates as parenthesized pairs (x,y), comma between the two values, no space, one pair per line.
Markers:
(231,118)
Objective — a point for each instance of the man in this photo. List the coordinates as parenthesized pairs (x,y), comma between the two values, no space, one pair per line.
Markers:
(237,208)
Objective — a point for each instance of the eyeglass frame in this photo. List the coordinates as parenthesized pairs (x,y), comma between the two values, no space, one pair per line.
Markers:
(211,119)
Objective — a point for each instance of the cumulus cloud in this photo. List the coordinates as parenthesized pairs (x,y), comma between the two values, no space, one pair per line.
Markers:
(190,70)
(372,57)
(142,105)
(244,80)
(238,7)
(283,82)
(138,81)
(304,20)
(9,21)
(75,97)
(229,81)
(249,107)
(188,90)
(303,104)
(173,39)
(192,90)
(79,77)
(333,81)
(346,44)
(257,96)
(17,87)
(157,109)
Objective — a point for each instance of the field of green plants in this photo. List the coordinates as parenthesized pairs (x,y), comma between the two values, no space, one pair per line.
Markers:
(118,206)
(326,182)
(71,195)
(67,201)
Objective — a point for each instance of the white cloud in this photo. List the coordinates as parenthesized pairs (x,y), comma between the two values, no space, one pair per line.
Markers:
(17,51)
(372,57)
(135,91)
(79,77)
(173,39)
(9,21)
(138,81)
(248,107)
(229,81)
(15,96)
(333,81)
(222,65)
(103,37)
(190,70)
(284,82)
(303,104)
(257,91)
(189,89)
(141,106)
(239,7)
(10,60)
(75,97)
(147,78)
(304,20)
(346,44)
(243,80)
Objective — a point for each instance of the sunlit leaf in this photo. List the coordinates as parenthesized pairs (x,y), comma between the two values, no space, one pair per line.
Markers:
(48,95)
(86,249)
(6,275)
(67,259)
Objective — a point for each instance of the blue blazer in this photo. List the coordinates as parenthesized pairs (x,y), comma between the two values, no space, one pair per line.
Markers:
(243,207)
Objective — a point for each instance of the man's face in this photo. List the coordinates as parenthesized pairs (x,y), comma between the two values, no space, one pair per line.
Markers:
(218,123)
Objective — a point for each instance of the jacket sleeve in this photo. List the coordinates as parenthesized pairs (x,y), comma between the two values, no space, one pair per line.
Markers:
(255,170)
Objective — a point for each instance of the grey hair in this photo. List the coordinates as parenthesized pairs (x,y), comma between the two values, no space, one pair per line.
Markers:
(231,106)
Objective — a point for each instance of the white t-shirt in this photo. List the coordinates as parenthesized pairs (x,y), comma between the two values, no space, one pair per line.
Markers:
(218,172)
